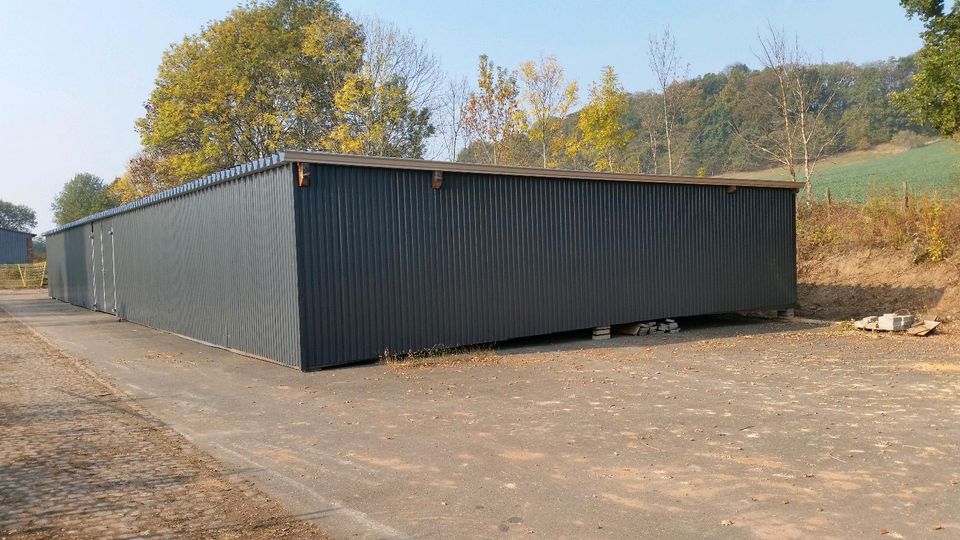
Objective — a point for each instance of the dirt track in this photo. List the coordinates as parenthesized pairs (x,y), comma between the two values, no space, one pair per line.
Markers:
(77,460)
(733,429)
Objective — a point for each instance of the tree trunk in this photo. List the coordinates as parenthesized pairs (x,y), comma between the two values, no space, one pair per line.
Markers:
(666,127)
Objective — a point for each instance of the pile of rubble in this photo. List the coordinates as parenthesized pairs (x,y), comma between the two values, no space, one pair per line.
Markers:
(899,321)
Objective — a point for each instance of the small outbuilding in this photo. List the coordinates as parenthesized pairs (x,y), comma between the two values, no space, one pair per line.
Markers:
(16,247)
(314,260)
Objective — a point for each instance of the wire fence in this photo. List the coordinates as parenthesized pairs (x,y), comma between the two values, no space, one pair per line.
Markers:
(23,276)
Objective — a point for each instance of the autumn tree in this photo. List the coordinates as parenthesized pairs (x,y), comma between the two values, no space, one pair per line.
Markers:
(146,174)
(600,123)
(386,109)
(492,114)
(376,118)
(263,79)
(17,217)
(83,195)
(548,98)
(934,97)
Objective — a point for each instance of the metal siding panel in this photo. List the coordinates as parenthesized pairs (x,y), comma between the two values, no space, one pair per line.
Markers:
(14,247)
(387,263)
(216,264)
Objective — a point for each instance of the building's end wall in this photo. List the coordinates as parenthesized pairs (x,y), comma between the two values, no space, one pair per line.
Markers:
(15,247)
(217,265)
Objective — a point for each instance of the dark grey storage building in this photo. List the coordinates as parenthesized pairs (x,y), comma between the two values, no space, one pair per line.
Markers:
(16,247)
(314,260)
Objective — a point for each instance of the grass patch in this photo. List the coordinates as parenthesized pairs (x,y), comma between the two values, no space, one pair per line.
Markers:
(858,176)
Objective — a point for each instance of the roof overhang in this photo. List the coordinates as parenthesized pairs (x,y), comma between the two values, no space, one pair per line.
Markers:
(25,233)
(324,158)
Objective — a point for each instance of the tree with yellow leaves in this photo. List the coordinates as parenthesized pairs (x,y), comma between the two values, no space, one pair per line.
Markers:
(263,79)
(492,114)
(386,109)
(376,119)
(601,124)
(548,98)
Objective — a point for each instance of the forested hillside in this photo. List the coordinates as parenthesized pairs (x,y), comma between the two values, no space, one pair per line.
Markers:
(717,117)
(222,97)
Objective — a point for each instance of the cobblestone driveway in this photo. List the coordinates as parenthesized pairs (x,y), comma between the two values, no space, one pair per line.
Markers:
(78,460)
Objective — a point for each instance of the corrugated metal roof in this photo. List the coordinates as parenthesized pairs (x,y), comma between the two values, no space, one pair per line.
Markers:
(16,231)
(207,181)
(413,164)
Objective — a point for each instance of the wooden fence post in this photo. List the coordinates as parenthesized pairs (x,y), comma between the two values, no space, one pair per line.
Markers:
(906,196)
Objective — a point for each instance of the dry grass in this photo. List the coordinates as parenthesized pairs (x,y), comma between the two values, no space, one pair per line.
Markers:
(440,357)
(23,276)
(928,227)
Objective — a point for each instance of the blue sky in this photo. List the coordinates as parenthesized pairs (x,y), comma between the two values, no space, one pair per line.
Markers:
(74,75)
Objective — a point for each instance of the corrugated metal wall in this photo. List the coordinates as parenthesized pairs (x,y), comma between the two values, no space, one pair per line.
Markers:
(14,247)
(217,264)
(69,266)
(387,263)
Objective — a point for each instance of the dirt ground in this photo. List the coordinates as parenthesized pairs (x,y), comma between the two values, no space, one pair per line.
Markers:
(852,285)
(732,428)
(78,460)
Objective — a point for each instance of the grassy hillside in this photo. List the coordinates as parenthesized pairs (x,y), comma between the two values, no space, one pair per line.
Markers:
(856,175)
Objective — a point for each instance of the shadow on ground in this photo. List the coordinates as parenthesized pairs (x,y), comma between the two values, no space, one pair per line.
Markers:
(844,302)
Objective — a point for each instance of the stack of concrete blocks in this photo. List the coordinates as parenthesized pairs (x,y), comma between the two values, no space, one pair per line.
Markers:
(668,326)
(867,323)
(888,322)
(601,332)
(891,322)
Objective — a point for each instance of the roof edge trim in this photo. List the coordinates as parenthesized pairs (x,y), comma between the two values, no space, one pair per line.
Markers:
(324,158)
(14,231)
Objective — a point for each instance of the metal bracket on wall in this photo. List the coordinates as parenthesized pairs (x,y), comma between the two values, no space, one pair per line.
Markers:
(437,180)
(303,175)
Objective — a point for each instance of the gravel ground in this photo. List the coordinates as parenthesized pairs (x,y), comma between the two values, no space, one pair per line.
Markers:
(732,428)
(79,460)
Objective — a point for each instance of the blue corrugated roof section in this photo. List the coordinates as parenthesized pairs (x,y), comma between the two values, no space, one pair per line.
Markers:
(200,183)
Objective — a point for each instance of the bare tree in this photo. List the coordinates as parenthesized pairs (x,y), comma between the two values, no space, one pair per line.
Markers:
(648,106)
(798,103)
(548,99)
(666,65)
(452,130)
(392,53)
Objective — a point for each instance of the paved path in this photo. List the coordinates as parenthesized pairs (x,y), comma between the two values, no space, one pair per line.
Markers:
(766,430)
(78,460)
